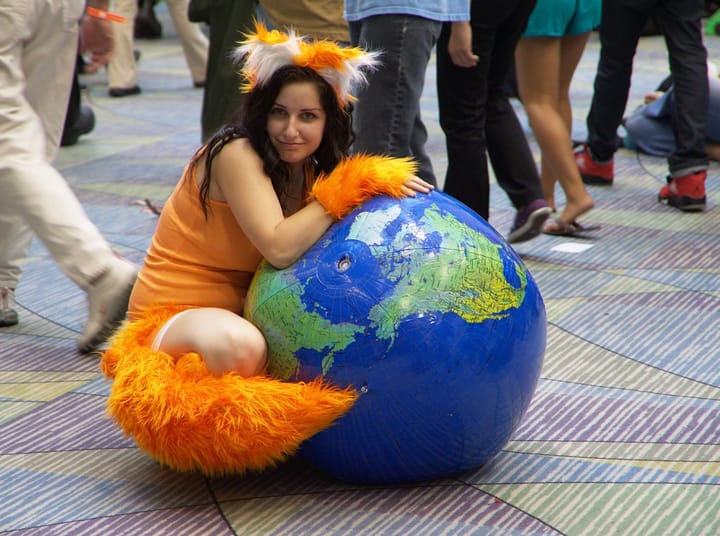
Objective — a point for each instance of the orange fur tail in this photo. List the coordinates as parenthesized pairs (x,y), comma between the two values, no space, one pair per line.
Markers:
(188,419)
(360,177)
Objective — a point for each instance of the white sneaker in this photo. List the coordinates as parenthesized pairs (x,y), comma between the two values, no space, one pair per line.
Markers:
(8,313)
(107,304)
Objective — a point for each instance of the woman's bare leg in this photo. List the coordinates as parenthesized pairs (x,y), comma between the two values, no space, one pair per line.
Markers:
(225,340)
(543,64)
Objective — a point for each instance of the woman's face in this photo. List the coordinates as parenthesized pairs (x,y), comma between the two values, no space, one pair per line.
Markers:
(296,122)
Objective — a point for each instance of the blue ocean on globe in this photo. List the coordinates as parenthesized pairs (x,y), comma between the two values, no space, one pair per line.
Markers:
(424,309)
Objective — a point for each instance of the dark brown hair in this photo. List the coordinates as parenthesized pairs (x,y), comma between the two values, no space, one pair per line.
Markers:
(251,123)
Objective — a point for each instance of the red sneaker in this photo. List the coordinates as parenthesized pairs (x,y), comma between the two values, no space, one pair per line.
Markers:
(591,171)
(686,193)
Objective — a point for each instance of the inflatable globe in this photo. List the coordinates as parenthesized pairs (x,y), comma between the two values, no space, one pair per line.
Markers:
(424,309)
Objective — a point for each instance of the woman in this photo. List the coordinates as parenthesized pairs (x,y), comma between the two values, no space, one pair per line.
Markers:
(546,58)
(187,369)
(243,198)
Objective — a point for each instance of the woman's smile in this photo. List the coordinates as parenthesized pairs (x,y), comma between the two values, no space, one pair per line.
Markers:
(296,122)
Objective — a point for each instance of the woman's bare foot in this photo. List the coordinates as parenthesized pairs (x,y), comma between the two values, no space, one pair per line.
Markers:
(570,214)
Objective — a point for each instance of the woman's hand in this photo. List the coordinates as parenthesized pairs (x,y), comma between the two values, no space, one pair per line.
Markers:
(415,184)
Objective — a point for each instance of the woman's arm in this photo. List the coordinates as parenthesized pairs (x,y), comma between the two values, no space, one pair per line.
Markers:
(242,183)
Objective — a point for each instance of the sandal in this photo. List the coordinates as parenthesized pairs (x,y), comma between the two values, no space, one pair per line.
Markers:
(558,227)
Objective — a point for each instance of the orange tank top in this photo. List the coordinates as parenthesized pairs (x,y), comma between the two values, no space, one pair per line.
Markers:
(192,261)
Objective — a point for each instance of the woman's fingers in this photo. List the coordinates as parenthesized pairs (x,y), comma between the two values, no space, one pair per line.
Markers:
(415,184)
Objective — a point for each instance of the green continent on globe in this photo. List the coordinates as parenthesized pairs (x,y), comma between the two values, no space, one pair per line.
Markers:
(464,275)
(284,311)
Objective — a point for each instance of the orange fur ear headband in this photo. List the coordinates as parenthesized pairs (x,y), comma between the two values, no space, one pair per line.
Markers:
(266,51)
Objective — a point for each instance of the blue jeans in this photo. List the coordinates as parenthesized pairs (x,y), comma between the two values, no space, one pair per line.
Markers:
(649,127)
(680,22)
(387,114)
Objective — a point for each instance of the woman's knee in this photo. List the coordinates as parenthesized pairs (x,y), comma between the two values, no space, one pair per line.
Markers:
(226,341)
(241,349)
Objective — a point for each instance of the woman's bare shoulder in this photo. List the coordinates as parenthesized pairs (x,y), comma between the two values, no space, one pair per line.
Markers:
(237,159)
(238,146)
(238,151)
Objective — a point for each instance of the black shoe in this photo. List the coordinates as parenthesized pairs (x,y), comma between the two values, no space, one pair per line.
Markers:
(84,123)
(146,24)
(124,92)
(147,29)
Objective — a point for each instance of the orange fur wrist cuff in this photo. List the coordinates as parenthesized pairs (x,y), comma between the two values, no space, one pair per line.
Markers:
(360,177)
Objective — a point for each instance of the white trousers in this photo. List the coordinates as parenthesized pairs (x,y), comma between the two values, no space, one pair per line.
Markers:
(122,69)
(38,47)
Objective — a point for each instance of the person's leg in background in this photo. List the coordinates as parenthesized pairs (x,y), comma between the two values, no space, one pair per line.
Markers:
(15,242)
(680,21)
(192,39)
(508,148)
(227,21)
(80,119)
(681,24)
(387,114)
(478,120)
(146,24)
(619,35)
(462,98)
(546,59)
(122,69)
(34,194)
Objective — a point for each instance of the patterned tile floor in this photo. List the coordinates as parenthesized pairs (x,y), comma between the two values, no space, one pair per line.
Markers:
(622,437)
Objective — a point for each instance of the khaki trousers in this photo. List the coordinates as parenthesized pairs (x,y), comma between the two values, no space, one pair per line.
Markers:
(122,69)
(38,48)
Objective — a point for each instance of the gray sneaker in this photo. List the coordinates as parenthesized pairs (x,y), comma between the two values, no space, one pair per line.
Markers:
(529,221)
(8,313)
(107,304)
